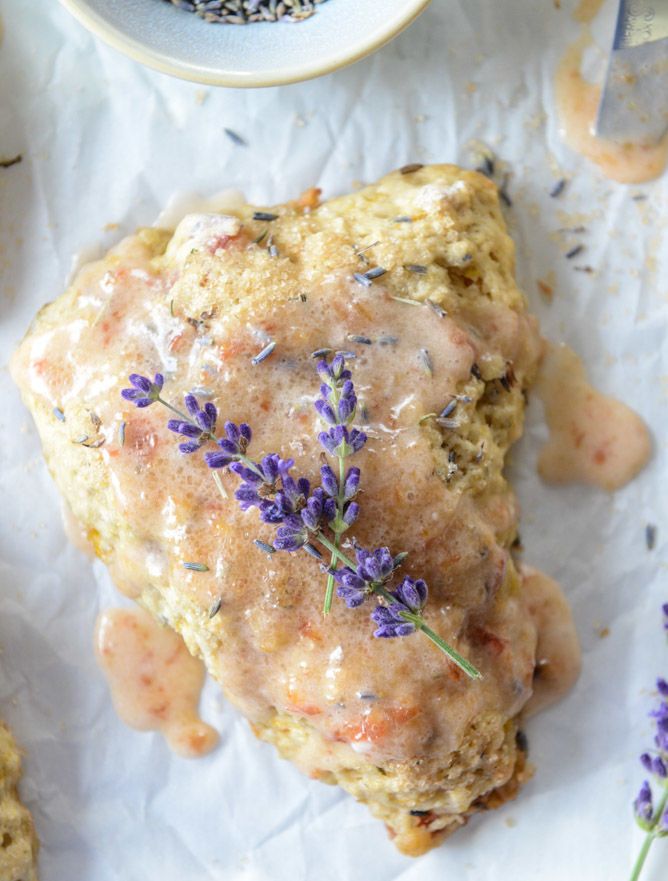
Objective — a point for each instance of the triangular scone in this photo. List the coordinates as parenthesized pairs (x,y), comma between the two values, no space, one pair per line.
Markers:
(392,721)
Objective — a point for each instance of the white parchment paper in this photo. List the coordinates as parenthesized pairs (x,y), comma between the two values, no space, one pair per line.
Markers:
(106,141)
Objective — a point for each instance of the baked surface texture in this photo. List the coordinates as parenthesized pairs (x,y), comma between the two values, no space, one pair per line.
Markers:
(18,842)
(391,721)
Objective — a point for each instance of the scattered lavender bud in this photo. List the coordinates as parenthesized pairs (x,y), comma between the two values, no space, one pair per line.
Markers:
(264,215)
(264,354)
(235,138)
(558,188)
(196,567)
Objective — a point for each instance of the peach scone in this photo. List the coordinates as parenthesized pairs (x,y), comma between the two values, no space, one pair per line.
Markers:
(413,280)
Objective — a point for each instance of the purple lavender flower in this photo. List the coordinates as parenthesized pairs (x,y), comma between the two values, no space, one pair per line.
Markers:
(643,806)
(336,407)
(233,446)
(351,483)
(665,616)
(326,411)
(340,442)
(200,430)
(390,621)
(343,506)
(260,483)
(329,481)
(292,535)
(661,716)
(338,401)
(297,528)
(662,687)
(411,597)
(144,392)
(352,588)
(350,513)
(375,566)
(313,512)
(347,403)
(336,371)
(654,764)
(413,594)
(292,496)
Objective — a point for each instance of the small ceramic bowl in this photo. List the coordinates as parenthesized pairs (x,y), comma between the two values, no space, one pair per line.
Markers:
(260,54)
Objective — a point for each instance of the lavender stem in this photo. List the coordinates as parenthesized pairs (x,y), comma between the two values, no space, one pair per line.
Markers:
(454,655)
(329,592)
(179,413)
(336,552)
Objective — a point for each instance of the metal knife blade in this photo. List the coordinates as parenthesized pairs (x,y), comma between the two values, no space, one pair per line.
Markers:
(634,102)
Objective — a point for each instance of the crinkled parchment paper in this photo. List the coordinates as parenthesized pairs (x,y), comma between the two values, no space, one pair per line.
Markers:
(105,144)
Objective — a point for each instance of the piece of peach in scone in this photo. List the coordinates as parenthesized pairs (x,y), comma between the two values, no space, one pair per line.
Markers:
(414,276)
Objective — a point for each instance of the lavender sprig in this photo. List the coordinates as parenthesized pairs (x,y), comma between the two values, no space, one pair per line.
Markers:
(336,406)
(302,515)
(654,820)
(198,425)
(402,614)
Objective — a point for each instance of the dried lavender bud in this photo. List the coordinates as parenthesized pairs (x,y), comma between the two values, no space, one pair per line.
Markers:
(558,188)
(264,354)
(264,215)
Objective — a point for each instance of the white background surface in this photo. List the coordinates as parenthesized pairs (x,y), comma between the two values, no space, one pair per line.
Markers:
(106,141)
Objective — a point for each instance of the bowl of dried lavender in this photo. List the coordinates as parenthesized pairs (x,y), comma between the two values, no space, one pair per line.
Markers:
(246,43)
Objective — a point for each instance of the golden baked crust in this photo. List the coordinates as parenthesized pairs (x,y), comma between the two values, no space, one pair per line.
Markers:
(18,842)
(389,720)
